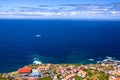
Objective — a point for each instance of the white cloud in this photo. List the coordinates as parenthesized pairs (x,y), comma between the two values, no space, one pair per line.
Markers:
(79,10)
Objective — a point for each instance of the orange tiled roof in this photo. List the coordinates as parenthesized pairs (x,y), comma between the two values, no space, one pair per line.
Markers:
(69,76)
(25,70)
(94,79)
(117,78)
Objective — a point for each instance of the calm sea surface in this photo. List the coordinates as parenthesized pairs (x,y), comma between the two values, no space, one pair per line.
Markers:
(57,41)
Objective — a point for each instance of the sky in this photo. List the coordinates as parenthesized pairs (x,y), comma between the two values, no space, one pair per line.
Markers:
(32,9)
(37,2)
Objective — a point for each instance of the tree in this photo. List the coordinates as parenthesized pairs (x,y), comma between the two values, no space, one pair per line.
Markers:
(78,78)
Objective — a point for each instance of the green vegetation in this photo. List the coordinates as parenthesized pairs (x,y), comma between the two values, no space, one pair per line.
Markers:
(54,72)
(59,76)
(14,73)
(68,69)
(103,76)
(45,78)
(33,66)
(53,67)
(4,79)
(110,67)
(95,74)
(78,78)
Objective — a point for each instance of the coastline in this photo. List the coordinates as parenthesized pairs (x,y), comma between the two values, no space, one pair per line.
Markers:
(106,69)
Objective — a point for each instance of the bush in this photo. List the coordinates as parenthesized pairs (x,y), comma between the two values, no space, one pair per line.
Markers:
(78,78)
(45,78)
(15,73)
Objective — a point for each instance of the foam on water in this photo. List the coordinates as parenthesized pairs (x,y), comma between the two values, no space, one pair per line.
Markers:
(36,61)
(91,59)
(108,57)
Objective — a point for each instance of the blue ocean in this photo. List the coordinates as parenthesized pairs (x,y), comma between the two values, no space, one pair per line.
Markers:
(57,41)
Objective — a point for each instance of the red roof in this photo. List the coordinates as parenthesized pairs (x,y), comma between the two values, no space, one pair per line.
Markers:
(59,71)
(117,78)
(32,79)
(25,70)
(94,79)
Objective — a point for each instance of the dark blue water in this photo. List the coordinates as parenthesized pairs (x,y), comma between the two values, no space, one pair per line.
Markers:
(60,41)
